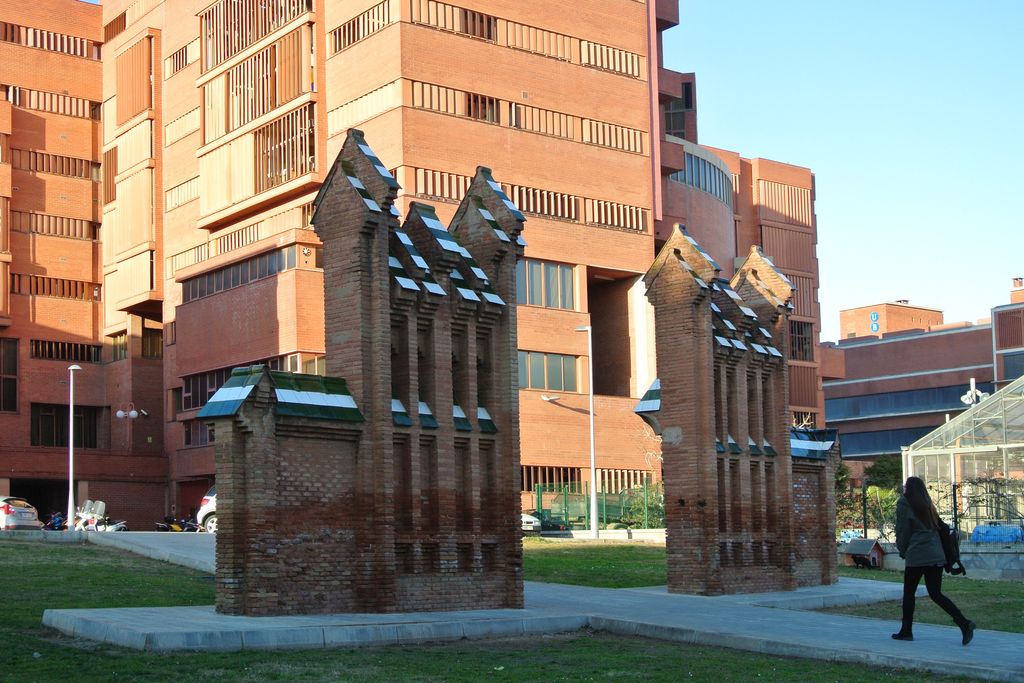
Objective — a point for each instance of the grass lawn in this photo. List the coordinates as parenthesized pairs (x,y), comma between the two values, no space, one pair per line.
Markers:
(993,605)
(604,565)
(38,576)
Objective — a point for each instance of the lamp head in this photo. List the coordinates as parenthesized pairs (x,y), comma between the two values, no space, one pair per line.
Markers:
(545,397)
(72,368)
(583,328)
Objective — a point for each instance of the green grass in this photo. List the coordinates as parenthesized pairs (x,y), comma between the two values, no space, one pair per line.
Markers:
(993,605)
(604,565)
(38,576)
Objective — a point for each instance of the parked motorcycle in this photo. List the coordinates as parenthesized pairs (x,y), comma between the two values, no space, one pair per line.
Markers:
(172,524)
(55,522)
(92,517)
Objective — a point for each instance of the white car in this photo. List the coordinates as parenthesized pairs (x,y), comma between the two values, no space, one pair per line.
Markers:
(18,513)
(531,523)
(207,515)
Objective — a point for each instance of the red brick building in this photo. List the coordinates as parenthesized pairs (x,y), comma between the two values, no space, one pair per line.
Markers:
(214,140)
(52,287)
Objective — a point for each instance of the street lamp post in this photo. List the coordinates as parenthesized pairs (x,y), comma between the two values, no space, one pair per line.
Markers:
(593,464)
(71,446)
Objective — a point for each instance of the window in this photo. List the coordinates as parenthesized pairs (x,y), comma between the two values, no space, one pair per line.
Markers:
(1013,365)
(8,375)
(64,351)
(197,389)
(152,343)
(50,425)
(887,441)
(688,95)
(805,420)
(197,433)
(477,24)
(550,478)
(482,107)
(547,371)
(541,283)
(932,400)
(48,40)
(675,118)
(119,346)
(801,340)
(241,273)
(354,30)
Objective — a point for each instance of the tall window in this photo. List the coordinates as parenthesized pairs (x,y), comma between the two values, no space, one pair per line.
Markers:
(119,346)
(801,340)
(50,425)
(152,343)
(540,283)
(8,375)
(675,118)
(551,371)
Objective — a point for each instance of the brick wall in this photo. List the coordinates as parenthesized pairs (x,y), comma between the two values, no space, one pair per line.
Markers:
(724,417)
(387,514)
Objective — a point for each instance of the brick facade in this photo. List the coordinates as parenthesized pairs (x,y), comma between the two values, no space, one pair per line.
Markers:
(740,516)
(414,507)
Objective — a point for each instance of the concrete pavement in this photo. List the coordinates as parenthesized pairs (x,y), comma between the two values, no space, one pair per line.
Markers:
(773,623)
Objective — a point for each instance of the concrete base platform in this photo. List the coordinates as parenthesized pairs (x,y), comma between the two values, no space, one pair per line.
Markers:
(201,628)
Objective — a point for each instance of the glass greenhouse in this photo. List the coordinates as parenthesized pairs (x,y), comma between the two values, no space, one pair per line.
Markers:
(974,464)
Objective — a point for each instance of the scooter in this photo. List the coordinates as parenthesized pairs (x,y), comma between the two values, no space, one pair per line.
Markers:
(92,517)
(55,522)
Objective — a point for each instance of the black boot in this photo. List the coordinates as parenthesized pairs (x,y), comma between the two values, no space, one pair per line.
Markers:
(967,629)
(905,635)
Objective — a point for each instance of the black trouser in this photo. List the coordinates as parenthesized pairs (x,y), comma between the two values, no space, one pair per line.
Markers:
(933,582)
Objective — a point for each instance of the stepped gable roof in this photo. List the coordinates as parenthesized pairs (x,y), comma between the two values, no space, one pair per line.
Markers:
(359,165)
(682,251)
(758,279)
(298,395)
(486,198)
(467,278)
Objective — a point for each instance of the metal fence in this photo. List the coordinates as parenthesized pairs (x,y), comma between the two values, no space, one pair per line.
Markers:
(567,507)
(980,503)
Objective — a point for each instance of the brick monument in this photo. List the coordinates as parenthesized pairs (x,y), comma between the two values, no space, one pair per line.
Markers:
(394,489)
(742,514)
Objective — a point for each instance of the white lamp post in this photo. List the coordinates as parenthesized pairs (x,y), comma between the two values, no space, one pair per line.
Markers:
(593,465)
(71,446)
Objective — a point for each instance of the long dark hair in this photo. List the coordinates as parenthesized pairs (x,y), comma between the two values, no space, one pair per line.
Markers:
(920,502)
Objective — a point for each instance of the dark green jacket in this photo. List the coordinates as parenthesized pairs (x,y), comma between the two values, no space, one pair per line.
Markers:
(918,543)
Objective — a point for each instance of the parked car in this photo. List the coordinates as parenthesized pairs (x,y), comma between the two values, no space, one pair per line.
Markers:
(18,513)
(531,523)
(207,515)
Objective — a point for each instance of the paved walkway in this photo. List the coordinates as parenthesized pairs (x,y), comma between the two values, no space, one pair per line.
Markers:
(772,623)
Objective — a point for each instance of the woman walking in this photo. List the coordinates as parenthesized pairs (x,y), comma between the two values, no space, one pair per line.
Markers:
(917,537)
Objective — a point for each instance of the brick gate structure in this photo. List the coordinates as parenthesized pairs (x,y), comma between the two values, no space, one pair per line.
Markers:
(395,489)
(741,517)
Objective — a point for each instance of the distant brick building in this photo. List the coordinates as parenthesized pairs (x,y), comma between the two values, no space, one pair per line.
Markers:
(742,515)
(902,371)
(395,489)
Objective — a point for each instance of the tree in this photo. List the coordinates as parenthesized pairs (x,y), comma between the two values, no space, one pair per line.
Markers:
(881,504)
(847,500)
(886,472)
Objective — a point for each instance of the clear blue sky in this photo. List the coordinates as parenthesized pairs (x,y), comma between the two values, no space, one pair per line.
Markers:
(909,113)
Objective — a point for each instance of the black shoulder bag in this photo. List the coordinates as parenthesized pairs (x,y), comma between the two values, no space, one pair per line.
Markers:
(951,548)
